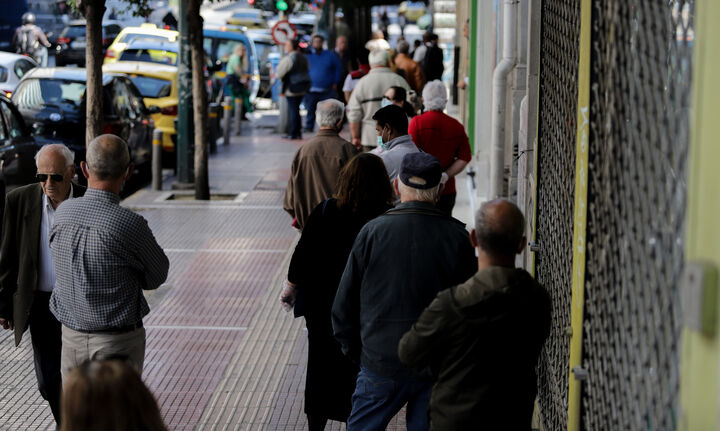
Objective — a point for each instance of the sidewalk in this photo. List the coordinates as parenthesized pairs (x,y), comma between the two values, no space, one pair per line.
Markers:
(221,353)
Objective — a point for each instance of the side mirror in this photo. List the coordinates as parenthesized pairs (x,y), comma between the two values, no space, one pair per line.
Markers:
(153,109)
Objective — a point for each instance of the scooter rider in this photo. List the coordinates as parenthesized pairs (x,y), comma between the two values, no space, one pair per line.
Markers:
(29,39)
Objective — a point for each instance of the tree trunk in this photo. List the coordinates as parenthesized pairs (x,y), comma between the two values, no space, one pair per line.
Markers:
(94,11)
(200,106)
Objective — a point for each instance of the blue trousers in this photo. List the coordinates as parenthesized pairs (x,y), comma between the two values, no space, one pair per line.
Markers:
(293,103)
(311,100)
(378,399)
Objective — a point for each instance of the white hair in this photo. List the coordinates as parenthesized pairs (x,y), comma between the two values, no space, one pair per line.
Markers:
(379,57)
(64,151)
(422,195)
(434,95)
(107,156)
(329,112)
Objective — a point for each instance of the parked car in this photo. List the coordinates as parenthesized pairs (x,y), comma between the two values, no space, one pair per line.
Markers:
(220,45)
(12,68)
(52,102)
(151,52)
(157,85)
(70,47)
(249,18)
(17,147)
(145,32)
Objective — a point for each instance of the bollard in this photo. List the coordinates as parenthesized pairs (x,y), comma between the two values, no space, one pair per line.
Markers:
(213,132)
(238,116)
(227,107)
(157,150)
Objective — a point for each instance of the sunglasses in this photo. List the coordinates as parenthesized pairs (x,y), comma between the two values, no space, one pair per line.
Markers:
(55,177)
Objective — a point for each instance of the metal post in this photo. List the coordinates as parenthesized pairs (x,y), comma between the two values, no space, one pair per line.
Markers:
(227,108)
(238,116)
(213,109)
(185,139)
(157,150)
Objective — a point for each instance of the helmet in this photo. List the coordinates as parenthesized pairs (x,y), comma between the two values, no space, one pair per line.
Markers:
(28,18)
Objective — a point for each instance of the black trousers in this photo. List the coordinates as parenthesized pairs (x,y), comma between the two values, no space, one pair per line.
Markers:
(47,343)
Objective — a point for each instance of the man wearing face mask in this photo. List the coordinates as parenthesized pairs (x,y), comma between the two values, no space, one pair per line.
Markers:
(317,164)
(393,140)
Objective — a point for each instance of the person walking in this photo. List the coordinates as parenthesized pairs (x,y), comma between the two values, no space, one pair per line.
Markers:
(293,70)
(105,255)
(325,74)
(364,192)
(317,164)
(397,265)
(412,70)
(482,338)
(27,274)
(238,76)
(367,97)
(442,136)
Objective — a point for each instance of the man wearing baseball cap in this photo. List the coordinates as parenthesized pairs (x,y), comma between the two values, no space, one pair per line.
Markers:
(399,262)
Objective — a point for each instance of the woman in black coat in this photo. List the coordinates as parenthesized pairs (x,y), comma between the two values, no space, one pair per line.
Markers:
(364,192)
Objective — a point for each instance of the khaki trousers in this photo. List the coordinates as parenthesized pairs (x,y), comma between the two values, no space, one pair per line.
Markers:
(78,347)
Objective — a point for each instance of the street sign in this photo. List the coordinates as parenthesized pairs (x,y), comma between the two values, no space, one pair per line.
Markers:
(283,31)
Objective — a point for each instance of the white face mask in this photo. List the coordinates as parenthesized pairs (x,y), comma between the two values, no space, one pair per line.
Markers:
(385,102)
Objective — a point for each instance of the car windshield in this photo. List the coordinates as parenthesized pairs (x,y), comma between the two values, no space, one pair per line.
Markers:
(134,37)
(3,74)
(152,87)
(159,56)
(74,31)
(37,93)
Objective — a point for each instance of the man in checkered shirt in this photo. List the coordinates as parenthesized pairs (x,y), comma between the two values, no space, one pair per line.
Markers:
(105,255)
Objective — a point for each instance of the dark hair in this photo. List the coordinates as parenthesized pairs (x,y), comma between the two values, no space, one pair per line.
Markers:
(364,186)
(399,94)
(499,236)
(394,116)
(295,44)
(108,395)
(417,43)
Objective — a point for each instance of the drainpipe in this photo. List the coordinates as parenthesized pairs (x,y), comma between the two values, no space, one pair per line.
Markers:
(499,97)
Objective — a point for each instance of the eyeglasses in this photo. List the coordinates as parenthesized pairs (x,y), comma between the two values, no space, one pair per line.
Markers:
(55,177)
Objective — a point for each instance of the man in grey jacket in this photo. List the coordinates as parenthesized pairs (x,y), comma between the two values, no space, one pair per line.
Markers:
(394,142)
(399,262)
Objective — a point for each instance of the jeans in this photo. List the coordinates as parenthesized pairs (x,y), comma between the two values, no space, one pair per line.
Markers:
(377,400)
(311,101)
(293,103)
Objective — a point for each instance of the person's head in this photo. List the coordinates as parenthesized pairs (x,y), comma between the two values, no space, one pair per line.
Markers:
(395,95)
(55,165)
(426,37)
(378,34)
(341,44)
(317,42)
(417,43)
(364,187)
(419,178)
(403,47)
(292,45)
(434,96)
(379,58)
(240,49)
(108,395)
(499,230)
(28,18)
(390,123)
(434,39)
(107,163)
(330,114)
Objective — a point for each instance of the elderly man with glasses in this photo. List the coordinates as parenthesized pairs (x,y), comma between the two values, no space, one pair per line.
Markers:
(27,275)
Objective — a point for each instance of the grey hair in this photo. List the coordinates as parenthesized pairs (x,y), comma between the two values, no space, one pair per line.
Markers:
(330,112)
(499,236)
(67,154)
(107,157)
(403,47)
(421,195)
(379,57)
(434,95)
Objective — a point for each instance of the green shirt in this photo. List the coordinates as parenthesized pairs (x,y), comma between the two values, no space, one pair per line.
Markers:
(232,61)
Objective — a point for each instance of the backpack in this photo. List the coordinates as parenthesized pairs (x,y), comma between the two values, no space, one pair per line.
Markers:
(27,41)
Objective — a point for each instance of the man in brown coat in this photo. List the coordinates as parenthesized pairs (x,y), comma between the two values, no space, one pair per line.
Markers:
(317,163)
(413,72)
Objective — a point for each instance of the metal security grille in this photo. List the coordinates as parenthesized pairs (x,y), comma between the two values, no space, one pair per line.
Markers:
(559,55)
(641,65)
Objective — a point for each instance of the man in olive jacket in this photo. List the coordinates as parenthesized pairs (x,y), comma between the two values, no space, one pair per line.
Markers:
(481,339)
(27,275)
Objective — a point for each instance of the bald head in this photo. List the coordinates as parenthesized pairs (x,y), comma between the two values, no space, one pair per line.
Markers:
(107,157)
(499,228)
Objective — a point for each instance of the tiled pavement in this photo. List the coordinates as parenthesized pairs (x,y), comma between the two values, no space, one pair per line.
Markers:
(221,353)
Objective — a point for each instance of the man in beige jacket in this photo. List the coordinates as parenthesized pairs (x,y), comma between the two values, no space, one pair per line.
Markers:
(367,97)
(413,72)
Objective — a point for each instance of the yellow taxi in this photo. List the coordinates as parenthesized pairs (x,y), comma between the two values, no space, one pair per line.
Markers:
(145,32)
(157,84)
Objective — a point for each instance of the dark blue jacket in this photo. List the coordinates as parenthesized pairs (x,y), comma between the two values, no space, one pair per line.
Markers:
(399,262)
(325,69)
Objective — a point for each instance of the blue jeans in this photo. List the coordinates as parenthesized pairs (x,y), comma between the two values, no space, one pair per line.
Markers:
(311,100)
(293,103)
(378,399)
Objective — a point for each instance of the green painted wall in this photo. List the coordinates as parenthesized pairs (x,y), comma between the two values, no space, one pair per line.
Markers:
(700,360)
